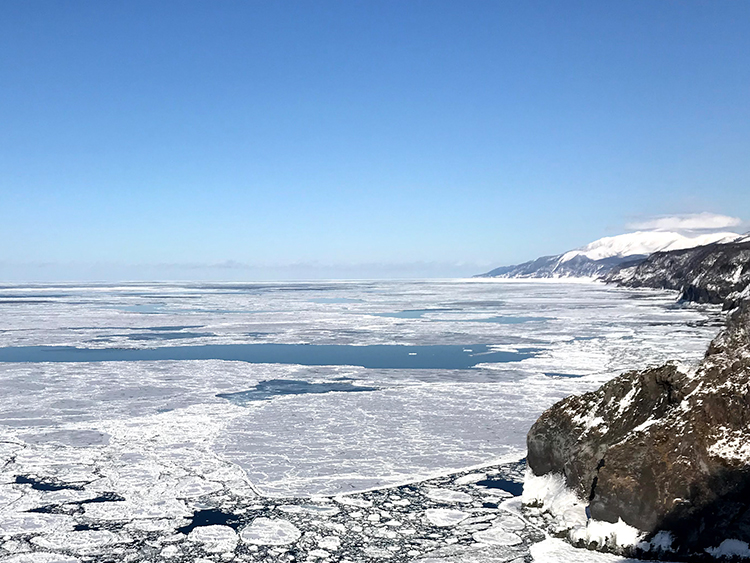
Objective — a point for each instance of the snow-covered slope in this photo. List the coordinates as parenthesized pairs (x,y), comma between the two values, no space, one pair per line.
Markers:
(600,256)
(644,242)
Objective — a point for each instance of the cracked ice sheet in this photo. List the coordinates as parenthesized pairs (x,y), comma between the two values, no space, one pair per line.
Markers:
(455,312)
(158,464)
(114,426)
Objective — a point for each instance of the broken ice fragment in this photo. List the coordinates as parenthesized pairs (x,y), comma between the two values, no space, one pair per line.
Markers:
(267,531)
(444,517)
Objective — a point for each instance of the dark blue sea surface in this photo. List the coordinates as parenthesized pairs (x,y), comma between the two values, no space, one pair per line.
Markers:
(374,356)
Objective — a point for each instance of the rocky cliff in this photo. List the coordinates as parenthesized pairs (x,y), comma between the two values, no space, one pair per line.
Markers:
(666,450)
(714,273)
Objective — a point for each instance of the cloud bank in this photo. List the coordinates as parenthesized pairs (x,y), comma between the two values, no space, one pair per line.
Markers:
(690,222)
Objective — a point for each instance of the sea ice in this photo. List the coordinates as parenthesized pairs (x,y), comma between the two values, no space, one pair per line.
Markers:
(447,496)
(80,542)
(330,543)
(470,478)
(22,524)
(158,434)
(215,539)
(266,531)
(443,517)
(353,501)
(39,557)
(496,535)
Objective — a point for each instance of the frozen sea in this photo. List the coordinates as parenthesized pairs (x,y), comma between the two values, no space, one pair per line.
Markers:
(128,409)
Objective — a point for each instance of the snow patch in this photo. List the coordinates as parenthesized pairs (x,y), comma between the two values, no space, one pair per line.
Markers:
(552,494)
(553,550)
(731,446)
(730,548)
(569,513)
(603,534)
(589,421)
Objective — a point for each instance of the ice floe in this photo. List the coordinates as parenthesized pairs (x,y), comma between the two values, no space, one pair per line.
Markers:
(215,539)
(266,531)
(447,496)
(442,517)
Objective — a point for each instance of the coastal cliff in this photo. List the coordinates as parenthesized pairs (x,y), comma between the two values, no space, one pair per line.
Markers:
(664,452)
(715,273)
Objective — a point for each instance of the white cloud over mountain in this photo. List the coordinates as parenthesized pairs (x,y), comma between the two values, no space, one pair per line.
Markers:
(690,222)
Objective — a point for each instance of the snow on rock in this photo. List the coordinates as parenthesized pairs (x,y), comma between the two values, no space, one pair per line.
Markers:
(731,548)
(553,550)
(599,534)
(551,493)
(267,531)
(671,455)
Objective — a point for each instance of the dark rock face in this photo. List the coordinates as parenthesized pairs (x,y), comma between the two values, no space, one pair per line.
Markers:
(663,449)
(705,274)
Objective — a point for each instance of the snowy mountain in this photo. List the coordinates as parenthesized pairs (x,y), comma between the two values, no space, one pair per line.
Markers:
(599,257)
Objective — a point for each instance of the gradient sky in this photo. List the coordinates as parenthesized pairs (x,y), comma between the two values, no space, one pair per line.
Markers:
(358,139)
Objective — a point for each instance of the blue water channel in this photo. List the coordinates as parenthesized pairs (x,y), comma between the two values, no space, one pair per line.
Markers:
(374,356)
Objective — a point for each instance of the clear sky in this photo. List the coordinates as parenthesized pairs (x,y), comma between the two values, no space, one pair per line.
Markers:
(256,139)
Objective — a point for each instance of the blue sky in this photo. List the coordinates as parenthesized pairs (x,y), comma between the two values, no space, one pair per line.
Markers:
(358,139)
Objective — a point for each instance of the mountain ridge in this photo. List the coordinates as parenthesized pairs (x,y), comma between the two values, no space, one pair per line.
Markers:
(601,256)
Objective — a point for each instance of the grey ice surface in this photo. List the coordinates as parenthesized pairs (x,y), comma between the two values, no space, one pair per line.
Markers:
(113,460)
